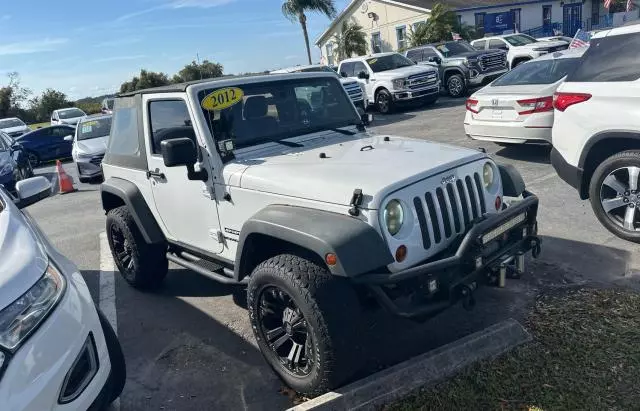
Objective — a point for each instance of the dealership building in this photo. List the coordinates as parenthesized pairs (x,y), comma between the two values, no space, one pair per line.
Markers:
(387,22)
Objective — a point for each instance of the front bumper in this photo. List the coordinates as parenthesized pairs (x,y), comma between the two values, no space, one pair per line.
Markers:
(408,95)
(34,376)
(89,167)
(458,273)
(485,78)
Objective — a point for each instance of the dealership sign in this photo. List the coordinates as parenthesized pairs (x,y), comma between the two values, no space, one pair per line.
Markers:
(498,22)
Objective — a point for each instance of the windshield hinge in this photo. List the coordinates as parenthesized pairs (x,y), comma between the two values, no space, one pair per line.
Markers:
(356,201)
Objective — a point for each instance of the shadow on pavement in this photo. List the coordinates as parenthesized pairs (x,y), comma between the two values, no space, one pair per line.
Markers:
(385,120)
(527,152)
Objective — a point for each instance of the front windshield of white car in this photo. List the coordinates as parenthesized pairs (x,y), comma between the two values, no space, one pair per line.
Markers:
(520,40)
(257,113)
(545,71)
(71,113)
(11,122)
(389,62)
(94,128)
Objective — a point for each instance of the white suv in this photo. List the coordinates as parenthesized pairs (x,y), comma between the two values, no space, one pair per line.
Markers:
(391,78)
(596,131)
(519,47)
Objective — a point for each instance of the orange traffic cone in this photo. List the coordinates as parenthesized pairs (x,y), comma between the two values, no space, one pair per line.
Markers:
(65,182)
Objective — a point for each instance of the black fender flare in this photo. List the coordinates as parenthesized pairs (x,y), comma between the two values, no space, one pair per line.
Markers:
(455,70)
(357,245)
(512,181)
(626,134)
(131,196)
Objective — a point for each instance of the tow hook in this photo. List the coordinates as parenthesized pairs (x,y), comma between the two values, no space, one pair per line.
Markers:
(468,300)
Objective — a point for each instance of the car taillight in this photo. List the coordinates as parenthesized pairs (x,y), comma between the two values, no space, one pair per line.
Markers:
(562,101)
(536,105)
(472,105)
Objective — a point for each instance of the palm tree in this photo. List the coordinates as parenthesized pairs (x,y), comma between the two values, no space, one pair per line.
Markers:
(440,23)
(350,40)
(295,10)
(418,36)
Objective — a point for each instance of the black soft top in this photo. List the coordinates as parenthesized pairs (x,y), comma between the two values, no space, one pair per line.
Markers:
(182,87)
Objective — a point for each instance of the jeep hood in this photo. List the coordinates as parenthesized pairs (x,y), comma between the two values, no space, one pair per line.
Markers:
(404,71)
(330,166)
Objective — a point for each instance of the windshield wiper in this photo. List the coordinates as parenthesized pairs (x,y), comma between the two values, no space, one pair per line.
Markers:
(345,132)
(284,143)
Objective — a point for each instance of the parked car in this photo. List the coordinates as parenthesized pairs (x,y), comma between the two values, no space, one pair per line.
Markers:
(89,145)
(69,116)
(9,170)
(517,108)
(309,210)
(461,66)
(596,131)
(57,350)
(354,89)
(19,155)
(47,143)
(107,106)
(519,47)
(390,79)
(13,126)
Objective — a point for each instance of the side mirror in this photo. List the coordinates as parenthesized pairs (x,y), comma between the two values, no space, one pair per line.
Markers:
(363,75)
(434,59)
(182,152)
(343,74)
(32,190)
(68,138)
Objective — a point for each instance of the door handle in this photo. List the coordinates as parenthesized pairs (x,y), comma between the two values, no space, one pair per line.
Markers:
(156,174)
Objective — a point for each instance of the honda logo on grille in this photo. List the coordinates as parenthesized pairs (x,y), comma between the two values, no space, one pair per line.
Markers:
(448,179)
(494,101)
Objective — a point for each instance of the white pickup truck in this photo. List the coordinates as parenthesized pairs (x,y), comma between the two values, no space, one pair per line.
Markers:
(391,78)
(519,47)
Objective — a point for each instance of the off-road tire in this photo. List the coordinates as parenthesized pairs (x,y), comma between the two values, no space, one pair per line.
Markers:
(382,96)
(118,374)
(150,263)
(620,160)
(456,86)
(331,308)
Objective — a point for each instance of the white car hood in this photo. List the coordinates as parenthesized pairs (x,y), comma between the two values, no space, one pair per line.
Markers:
(362,161)
(22,257)
(96,145)
(405,71)
(17,128)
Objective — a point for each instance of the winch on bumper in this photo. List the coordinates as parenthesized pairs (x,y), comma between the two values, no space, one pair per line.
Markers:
(492,248)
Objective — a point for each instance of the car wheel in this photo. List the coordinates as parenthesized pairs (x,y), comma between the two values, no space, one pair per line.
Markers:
(142,265)
(34,160)
(304,320)
(384,102)
(118,375)
(455,86)
(615,195)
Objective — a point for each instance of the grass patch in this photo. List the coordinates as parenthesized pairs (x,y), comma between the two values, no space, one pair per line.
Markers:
(585,355)
(35,126)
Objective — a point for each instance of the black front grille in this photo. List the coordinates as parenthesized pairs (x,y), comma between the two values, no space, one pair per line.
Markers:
(448,210)
(493,62)
(97,160)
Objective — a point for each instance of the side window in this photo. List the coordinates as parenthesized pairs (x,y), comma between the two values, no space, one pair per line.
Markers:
(124,133)
(358,68)
(479,45)
(428,53)
(415,55)
(346,70)
(169,119)
(610,59)
(61,131)
(497,44)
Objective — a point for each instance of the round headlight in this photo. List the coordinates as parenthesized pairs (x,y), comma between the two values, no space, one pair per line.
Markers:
(394,216)
(488,175)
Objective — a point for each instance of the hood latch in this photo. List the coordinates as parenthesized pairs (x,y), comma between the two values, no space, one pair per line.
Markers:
(356,201)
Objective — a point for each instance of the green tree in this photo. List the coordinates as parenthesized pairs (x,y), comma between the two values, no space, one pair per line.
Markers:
(195,71)
(295,10)
(42,106)
(13,96)
(418,36)
(440,24)
(147,79)
(89,108)
(350,40)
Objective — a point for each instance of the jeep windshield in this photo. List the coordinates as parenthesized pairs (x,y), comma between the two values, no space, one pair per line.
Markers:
(389,62)
(257,113)
(455,48)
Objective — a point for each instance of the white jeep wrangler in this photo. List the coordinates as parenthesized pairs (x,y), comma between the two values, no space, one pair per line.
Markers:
(245,181)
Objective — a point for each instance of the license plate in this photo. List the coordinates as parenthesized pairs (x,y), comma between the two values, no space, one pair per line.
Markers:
(496,113)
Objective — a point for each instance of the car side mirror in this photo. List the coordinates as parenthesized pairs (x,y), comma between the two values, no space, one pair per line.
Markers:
(182,152)
(68,138)
(32,190)
(363,75)
(343,74)
(434,59)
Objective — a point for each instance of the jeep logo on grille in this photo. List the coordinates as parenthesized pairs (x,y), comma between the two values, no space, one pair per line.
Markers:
(448,179)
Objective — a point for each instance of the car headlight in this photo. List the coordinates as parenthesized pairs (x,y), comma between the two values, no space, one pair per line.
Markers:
(22,317)
(6,169)
(488,175)
(394,216)
(399,84)
(465,62)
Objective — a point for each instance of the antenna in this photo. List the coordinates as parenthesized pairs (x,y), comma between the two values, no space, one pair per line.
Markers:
(199,68)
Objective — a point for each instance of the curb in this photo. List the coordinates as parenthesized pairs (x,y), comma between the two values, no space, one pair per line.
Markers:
(385,386)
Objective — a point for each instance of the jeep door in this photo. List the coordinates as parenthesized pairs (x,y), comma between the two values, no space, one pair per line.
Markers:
(186,208)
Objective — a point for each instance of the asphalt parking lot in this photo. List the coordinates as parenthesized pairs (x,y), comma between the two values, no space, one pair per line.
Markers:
(189,346)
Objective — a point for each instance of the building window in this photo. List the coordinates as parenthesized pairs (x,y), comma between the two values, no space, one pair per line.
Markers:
(376,43)
(595,12)
(417,24)
(330,54)
(401,35)
(516,20)
(480,24)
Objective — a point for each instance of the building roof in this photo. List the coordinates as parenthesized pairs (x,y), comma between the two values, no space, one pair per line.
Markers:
(458,4)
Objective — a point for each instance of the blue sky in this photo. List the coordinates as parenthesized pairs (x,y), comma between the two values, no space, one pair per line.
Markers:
(86,48)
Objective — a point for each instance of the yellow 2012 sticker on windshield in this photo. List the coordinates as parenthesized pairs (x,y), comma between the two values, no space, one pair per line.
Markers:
(223,98)
(372,61)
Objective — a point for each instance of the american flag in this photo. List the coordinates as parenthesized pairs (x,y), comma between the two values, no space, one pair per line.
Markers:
(581,39)
(607,3)
(629,5)
(456,36)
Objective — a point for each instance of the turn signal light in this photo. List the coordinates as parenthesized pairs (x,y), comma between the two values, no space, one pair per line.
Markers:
(562,101)
(331,259)
(498,203)
(401,253)
(536,105)
(472,105)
